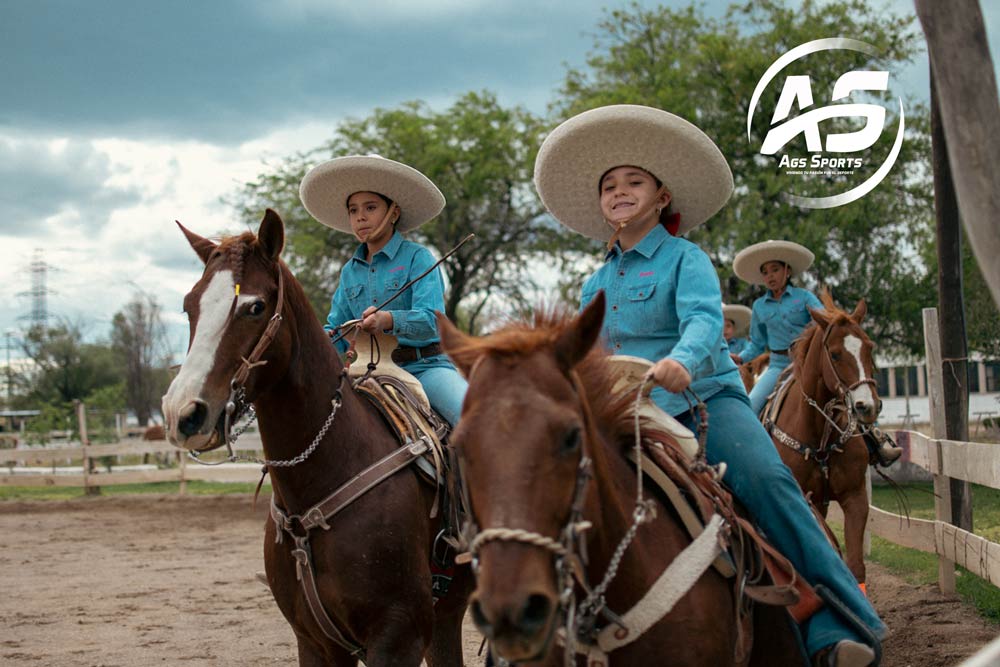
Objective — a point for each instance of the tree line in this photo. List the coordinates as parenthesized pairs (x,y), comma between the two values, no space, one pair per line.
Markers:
(480,153)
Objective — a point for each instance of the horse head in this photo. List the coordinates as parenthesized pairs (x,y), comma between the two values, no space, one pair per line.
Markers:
(848,366)
(522,439)
(231,309)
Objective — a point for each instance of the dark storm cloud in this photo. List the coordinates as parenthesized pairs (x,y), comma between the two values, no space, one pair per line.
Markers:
(224,71)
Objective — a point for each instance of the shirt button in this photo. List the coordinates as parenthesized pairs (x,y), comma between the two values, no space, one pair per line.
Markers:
(373,270)
(614,307)
(618,346)
(621,273)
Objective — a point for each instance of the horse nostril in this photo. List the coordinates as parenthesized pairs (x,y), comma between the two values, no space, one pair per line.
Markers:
(479,618)
(192,418)
(535,613)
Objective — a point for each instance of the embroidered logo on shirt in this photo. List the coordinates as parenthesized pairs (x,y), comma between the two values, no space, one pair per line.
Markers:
(398,268)
(645,273)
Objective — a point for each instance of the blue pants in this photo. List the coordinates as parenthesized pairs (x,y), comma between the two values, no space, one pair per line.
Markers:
(765,385)
(766,487)
(444,387)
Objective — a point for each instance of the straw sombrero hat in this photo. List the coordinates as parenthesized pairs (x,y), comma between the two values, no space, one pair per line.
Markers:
(749,260)
(574,157)
(325,189)
(740,315)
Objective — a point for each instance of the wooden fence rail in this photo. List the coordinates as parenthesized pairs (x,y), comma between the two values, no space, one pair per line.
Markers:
(185,471)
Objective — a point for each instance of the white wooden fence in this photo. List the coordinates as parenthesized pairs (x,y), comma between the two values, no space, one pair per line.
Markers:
(184,472)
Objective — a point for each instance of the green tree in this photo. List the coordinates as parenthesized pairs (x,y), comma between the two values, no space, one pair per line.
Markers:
(705,70)
(480,154)
(64,367)
(139,339)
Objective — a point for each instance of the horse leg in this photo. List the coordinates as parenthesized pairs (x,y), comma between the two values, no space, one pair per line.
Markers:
(855,508)
(404,636)
(311,655)
(446,644)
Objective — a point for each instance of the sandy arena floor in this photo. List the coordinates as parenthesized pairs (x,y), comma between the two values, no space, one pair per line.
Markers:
(169,580)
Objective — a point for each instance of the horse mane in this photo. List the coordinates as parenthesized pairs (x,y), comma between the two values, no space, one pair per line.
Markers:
(518,339)
(834,314)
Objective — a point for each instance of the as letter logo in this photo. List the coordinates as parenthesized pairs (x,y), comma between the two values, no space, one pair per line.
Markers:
(807,125)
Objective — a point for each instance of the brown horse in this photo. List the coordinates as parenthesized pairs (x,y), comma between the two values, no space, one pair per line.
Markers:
(255,340)
(831,393)
(540,403)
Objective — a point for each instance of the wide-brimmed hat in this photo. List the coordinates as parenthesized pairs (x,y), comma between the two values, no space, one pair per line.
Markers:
(740,315)
(749,260)
(575,155)
(325,189)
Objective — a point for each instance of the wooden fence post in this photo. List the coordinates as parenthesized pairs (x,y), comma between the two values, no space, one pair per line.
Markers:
(81,418)
(942,484)
(182,460)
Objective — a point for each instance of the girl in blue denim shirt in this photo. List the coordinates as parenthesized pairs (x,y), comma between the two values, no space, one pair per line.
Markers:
(377,200)
(781,315)
(639,178)
(736,322)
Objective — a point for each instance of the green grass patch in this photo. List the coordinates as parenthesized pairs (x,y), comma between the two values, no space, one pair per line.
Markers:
(194,488)
(921,568)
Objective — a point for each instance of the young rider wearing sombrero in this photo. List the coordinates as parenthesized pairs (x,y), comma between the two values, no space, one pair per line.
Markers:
(735,326)
(639,178)
(780,316)
(377,200)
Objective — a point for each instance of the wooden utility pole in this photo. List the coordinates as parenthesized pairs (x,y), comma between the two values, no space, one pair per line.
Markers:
(951,311)
(970,115)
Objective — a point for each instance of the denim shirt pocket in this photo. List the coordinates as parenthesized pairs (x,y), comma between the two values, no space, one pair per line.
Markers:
(640,292)
(354,293)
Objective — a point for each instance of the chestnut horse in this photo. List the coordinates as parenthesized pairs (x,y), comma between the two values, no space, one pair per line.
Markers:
(371,561)
(540,403)
(831,394)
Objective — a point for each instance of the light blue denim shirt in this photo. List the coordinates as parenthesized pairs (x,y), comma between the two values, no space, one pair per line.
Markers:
(663,300)
(737,345)
(775,323)
(363,285)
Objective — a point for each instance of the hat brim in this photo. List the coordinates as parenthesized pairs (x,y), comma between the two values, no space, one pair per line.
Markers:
(575,155)
(740,315)
(325,189)
(748,261)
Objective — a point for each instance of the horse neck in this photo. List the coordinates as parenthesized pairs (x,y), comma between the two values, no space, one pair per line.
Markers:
(293,409)
(609,507)
(810,376)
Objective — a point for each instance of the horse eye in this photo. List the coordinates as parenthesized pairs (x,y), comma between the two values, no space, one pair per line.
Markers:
(835,356)
(256,308)
(571,443)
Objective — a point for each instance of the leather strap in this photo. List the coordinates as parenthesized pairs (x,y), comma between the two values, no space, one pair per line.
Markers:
(405,354)
(304,573)
(357,486)
(265,338)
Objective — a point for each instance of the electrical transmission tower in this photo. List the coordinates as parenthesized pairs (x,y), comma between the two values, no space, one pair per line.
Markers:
(39,290)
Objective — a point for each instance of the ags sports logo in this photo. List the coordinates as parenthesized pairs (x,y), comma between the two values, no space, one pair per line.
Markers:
(839,153)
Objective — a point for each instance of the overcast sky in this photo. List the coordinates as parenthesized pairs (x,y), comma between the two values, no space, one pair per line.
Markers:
(118,117)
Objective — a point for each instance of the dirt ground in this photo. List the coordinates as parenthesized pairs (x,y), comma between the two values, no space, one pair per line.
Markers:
(147,580)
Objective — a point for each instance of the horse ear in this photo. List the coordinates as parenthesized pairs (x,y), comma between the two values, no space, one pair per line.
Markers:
(201,245)
(453,341)
(860,311)
(575,342)
(271,234)
(820,316)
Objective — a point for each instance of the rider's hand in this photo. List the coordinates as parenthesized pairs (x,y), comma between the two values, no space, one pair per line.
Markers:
(373,322)
(736,358)
(671,375)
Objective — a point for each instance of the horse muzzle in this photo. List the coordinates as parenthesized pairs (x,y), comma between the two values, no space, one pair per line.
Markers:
(519,629)
(192,428)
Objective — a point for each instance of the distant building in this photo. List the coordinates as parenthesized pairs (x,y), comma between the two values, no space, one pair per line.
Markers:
(903,390)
